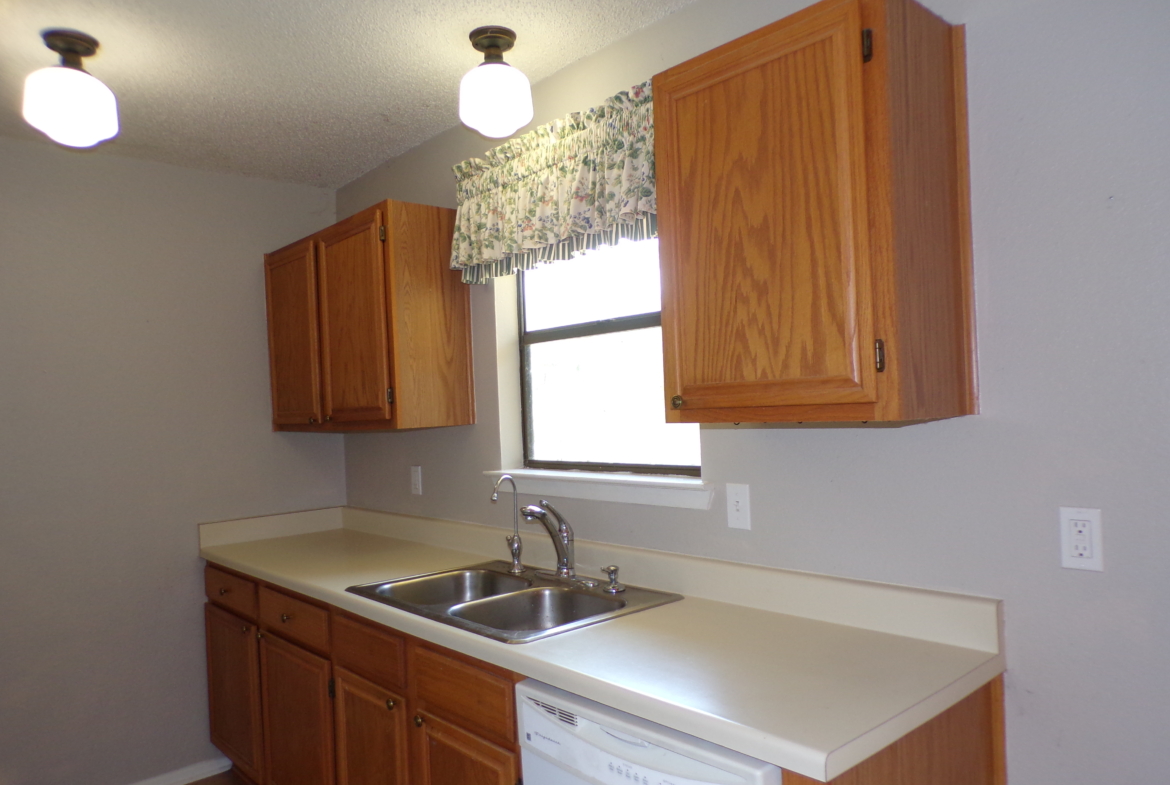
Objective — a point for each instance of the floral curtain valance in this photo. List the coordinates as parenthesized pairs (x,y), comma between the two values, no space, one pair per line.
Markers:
(571,185)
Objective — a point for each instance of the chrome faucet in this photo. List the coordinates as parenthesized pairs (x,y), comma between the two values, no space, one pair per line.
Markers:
(560,531)
(514,544)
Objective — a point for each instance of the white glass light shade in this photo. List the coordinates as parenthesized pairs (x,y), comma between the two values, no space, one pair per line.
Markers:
(495,99)
(70,106)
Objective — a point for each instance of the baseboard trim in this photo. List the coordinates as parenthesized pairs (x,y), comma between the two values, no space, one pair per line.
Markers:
(189,774)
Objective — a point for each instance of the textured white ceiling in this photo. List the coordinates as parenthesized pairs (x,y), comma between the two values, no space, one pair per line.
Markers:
(304,91)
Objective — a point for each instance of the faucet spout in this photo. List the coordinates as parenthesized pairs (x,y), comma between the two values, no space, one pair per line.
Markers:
(559,530)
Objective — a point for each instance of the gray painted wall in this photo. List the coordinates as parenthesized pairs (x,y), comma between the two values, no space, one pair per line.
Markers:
(1071,193)
(134,382)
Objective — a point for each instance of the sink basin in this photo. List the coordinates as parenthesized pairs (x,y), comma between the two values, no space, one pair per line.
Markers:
(451,588)
(486,599)
(536,609)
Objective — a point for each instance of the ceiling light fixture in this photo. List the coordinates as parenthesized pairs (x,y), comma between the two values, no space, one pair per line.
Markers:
(494,98)
(63,101)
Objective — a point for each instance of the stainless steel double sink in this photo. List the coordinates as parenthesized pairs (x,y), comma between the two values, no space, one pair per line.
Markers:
(488,600)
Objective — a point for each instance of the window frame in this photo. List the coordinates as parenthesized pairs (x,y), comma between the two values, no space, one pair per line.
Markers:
(582,330)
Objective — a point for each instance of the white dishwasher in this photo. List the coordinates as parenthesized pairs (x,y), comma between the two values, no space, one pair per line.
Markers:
(569,740)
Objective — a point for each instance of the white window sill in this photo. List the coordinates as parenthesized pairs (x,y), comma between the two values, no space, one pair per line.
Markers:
(656,490)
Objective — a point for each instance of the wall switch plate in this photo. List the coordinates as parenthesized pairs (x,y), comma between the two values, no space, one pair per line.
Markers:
(416,480)
(739,508)
(1080,539)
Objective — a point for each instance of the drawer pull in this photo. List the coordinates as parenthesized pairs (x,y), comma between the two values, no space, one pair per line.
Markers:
(222,592)
(244,630)
(390,704)
(418,721)
(284,617)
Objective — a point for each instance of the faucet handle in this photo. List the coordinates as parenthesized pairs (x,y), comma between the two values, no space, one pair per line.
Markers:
(614,587)
(555,513)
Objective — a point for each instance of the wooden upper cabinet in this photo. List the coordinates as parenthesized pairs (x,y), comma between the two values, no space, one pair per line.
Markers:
(430,320)
(812,213)
(369,329)
(355,358)
(290,278)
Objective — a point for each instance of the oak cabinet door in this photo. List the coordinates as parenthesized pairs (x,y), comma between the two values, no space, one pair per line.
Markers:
(446,755)
(290,280)
(761,171)
(298,715)
(430,318)
(355,359)
(371,733)
(233,686)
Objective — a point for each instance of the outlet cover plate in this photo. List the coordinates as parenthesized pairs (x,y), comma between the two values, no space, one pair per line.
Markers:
(1080,539)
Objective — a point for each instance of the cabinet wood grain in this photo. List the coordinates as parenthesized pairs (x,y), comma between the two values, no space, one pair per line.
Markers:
(469,693)
(369,650)
(768,298)
(231,591)
(369,329)
(446,755)
(432,309)
(233,689)
(961,746)
(298,714)
(813,203)
(355,360)
(371,725)
(294,619)
(290,280)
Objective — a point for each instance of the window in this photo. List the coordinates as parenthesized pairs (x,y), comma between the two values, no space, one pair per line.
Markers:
(591,366)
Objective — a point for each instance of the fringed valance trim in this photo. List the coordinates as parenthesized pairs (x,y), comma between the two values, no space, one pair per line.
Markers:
(571,185)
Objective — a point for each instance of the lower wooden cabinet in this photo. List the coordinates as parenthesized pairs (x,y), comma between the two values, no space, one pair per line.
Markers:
(298,714)
(446,755)
(371,727)
(233,687)
(304,694)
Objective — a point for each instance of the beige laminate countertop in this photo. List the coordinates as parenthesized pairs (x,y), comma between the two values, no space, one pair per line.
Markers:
(809,695)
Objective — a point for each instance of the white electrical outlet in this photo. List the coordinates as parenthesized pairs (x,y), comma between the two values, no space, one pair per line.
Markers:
(1080,539)
(416,480)
(739,508)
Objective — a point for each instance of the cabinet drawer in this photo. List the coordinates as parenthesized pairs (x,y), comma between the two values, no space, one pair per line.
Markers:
(294,619)
(230,591)
(369,651)
(472,697)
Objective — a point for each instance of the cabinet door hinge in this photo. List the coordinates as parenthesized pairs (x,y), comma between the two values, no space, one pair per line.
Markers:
(866,45)
(389,395)
(332,689)
(382,233)
(879,355)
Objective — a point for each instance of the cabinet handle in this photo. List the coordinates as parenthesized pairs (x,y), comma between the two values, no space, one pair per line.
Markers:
(390,704)
(259,636)
(312,421)
(418,721)
(284,617)
(222,592)
(244,630)
(328,418)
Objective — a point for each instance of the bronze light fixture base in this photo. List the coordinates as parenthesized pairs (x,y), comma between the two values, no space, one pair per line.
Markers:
(493,41)
(71,45)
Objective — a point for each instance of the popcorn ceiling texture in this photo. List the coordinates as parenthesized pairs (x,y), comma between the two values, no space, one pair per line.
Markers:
(297,90)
